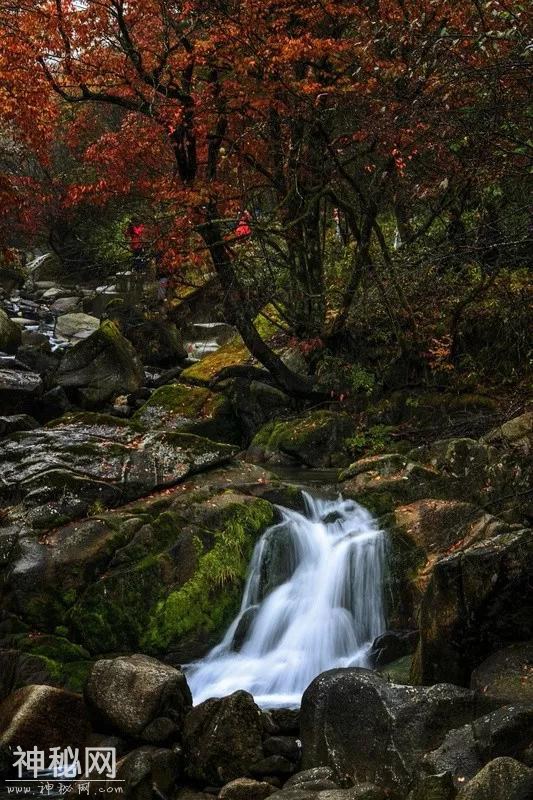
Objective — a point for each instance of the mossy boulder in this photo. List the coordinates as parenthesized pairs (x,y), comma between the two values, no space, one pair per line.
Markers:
(100,367)
(10,334)
(190,409)
(318,439)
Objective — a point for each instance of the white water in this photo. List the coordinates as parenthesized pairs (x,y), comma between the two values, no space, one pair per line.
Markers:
(325,611)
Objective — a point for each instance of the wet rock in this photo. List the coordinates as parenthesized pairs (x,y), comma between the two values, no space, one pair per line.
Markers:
(10,335)
(43,717)
(223,738)
(243,627)
(516,433)
(395,725)
(101,367)
(65,305)
(17,422)
(246,789)
(38,358)
(507,675)
(19,391)
(139,696)
(477,601)
(501,779)
(76,325)
(313,779)
(391,646)
(508,731)
(59,472)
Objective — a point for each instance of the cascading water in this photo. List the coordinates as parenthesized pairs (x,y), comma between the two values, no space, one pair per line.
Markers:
(313,601)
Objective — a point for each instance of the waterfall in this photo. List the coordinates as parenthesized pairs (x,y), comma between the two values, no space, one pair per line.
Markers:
(313,600)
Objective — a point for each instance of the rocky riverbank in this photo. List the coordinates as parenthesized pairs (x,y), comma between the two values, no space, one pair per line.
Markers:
(134,486)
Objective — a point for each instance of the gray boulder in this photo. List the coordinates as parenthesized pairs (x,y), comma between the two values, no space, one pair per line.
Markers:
(76,325)
(101,367)
(355,722)
(139,696)
(508,731)
(19,391)
(223,739)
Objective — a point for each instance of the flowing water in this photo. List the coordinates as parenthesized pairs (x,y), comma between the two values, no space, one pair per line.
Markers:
(313,601)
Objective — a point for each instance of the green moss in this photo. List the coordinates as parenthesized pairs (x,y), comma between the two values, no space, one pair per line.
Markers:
(88,418)
(191,409)
(398,671)
(319,438)
(210,598)
(229,355)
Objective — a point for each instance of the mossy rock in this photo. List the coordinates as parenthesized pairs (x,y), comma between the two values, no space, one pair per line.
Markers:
(232,354)
(10,334)
(178,582)
(190,409)
(195,615)
(50,659)
(101,366)
(318,439)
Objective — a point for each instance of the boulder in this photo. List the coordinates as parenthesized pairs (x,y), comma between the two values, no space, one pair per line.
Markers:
(391,646)
(10,334)
(76,325)
(506,676)
(158,342)
(19,391)
(101,366)
(223,738)
(43,717)
(477,601)
(58,473)
(508,731)
(246,789)
(139,696)
(65,305)
(501,779)
(516,433)
(190,409)
(317,439)
(395,725)
(314,779)
(433,787)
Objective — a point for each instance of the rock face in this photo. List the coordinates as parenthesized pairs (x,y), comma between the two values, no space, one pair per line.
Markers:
(140,697)
(100,367)
(10,334)
(507,675)
(319,439)
(501,779)
(471,606)
(246,789)
(59,472)
(43,717)
(223,738)
(395,725)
